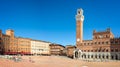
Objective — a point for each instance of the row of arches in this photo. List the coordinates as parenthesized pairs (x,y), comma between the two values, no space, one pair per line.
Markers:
(100,56)
(83,55)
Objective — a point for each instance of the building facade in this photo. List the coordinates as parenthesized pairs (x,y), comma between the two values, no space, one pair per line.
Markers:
(12,47)
(1,45)
(70,50)
(40,47)
(4,43)
(9,44)
(56,49)
(24,46)
(102,47)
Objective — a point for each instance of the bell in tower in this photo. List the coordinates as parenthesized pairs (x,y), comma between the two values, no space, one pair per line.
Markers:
(80,11)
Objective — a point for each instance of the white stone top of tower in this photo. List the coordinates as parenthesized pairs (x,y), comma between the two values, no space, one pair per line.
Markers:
(80,15)
(80,11)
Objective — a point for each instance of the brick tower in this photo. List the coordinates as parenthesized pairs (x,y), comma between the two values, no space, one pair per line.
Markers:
(11,34)
(79,26)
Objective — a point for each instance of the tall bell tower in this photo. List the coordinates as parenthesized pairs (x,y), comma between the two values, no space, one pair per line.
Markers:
(79,26)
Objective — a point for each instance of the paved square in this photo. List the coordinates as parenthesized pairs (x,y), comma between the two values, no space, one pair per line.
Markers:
(54,61)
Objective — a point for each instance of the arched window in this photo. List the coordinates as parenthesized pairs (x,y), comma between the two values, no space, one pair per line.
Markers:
(112,50)
(107,42)
(102,42)
(99,50)
(99,56)
(116,42)
(88,56)
(95,56)
(103,56)
(116,50)
(95,42)
(76,54)
(116,57)
(96,50)
(85,56)
(112,57)
(82,56)
(107,57)
(91,56)
(106,50)
(98,42)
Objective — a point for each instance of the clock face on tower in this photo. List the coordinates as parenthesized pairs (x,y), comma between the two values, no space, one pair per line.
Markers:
(78,39)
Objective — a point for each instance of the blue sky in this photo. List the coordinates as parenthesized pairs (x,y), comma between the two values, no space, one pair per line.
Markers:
(54,20)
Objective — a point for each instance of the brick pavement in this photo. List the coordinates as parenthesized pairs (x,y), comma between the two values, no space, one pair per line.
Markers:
(54,61)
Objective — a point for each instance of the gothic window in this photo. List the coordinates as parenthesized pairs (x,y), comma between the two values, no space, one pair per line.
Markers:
(98,42)
(88,56)
(99,56)
(91,56)
(106,36)
(111,42)
(116,42)
(112,57)
(95,56)
(107,56)
(112,50)
(95,42)
(99,50)
(102,42)
(116,50)
(107,50)
(103,56)
(85,56)
(107,42)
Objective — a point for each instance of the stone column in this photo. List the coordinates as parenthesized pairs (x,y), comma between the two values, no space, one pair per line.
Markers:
(78,55)
(105,56)
(109,57)
(74,55)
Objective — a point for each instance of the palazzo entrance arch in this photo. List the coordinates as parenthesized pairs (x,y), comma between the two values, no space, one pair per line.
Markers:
(77,53)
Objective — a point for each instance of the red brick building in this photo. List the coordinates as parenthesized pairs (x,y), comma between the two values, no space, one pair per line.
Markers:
(70,50)
(102,47)
(4,43)
(56,49)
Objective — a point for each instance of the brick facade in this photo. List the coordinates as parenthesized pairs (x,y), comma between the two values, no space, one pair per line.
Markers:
(102,47)
(56,49)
